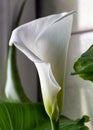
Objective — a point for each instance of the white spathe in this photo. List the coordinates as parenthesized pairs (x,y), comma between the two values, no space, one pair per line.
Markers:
(45,42)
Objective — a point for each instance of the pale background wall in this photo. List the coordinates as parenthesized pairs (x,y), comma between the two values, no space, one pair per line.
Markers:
(78,93)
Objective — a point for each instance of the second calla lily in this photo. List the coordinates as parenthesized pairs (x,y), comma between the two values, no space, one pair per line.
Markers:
(45,42)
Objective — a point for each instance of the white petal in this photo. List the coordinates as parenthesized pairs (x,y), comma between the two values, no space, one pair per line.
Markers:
(47,39)
(45,42)
(34,29)
(49,87)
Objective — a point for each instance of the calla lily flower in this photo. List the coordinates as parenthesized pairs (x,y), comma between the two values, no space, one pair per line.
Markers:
(45,42)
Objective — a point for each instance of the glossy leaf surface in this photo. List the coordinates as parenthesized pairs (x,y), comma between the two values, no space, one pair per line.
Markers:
(84,65)
(26,116)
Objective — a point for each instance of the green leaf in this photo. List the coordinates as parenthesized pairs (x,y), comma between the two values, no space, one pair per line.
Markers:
(67,124)
(23,116)
(84,65)
(28,116)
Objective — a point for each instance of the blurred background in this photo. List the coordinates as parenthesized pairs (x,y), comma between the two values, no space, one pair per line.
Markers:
(78,93)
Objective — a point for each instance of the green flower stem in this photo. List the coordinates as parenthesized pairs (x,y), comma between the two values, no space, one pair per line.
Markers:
(54,125)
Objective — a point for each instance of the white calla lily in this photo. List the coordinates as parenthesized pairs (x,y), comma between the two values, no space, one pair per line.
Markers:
(45,42)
